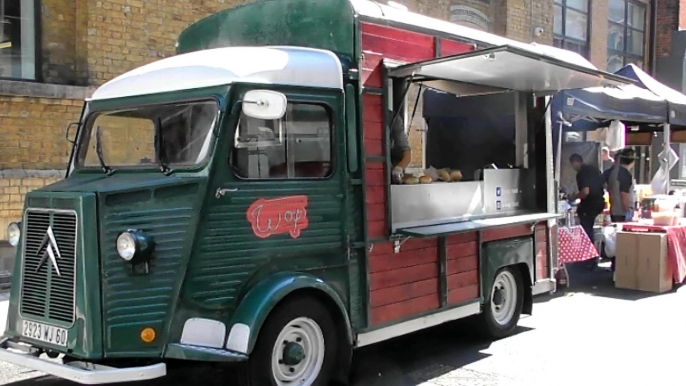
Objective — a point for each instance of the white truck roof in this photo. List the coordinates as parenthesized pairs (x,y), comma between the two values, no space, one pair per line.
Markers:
(294,66)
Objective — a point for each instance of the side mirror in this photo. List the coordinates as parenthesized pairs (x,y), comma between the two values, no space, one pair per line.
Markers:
(68,131)
(264,104)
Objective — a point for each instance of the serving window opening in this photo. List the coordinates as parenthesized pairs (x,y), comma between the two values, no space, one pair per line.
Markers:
(469,155)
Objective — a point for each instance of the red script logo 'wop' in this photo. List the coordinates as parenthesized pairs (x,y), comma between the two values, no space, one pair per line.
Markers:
(278,216)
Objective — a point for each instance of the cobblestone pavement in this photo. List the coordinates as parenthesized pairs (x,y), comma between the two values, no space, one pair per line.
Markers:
(591,334)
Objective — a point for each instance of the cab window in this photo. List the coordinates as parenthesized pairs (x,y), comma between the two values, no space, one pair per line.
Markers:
(293,147)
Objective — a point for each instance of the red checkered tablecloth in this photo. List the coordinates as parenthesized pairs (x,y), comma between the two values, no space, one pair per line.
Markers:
(676,245)
(574,245)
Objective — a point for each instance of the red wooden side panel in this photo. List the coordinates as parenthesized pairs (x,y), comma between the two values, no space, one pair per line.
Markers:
(406,283)
(379,42)
(463,267)
(373,125)
(451,47)
(506,232)
(376,199)
(375,171)
(542,268)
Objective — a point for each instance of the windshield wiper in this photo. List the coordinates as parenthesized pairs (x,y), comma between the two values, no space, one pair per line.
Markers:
(98,150)
(159,149)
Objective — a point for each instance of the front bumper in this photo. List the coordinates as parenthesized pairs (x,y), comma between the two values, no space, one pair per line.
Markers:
(80,372)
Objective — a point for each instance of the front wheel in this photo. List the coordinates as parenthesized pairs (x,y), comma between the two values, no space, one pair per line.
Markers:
(504,304)
(296,347)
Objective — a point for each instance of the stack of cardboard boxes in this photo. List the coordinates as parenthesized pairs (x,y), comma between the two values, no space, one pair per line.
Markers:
(642,262)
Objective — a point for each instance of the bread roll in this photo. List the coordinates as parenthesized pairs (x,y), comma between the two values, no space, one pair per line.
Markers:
(456,175)
(443,175)
(425,180)
(410,180)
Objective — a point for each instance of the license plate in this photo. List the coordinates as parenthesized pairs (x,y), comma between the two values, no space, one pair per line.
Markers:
(45,333)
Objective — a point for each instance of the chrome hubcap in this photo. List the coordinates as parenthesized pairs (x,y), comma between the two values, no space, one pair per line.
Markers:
(504,298)
(298,353)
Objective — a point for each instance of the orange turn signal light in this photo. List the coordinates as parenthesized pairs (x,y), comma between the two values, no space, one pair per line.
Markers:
(148,335)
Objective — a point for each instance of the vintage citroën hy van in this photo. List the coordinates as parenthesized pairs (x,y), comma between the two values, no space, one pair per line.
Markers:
(234,203)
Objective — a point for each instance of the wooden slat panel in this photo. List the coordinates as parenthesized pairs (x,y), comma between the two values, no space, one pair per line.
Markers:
(541,260)
(379,263)
(417,244)
(456,251)
(397,50)
(373,148)
(542,252)
(400,276)
(506,232)
(372,113)
(382,249)
(372,70)
(461,295)
(462,238)
(376,195)
(404,309)
(451,47)
(463,279)
(373,130)
(403,292)
(375,177)
(464,264)
(400,35)
(377,229)
(376,212)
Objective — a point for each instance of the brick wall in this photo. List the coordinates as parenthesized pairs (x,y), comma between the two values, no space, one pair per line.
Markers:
(668,21)
(13,188)
(33,132)
(125,34)
(59,41)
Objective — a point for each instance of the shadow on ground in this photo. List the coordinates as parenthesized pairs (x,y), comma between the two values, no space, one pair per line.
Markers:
(416,358)
(598,282)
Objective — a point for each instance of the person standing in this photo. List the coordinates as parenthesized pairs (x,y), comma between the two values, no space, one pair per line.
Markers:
(590,184)
(608,161)
(620,186)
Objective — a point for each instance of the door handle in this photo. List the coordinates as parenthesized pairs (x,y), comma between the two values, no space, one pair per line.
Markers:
(223,191)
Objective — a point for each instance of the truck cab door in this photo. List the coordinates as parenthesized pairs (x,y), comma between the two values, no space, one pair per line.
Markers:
(276,200)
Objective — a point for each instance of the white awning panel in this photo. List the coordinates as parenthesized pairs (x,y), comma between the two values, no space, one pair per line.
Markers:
(510,68)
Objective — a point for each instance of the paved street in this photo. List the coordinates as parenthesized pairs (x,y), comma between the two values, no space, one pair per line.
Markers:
(589,335)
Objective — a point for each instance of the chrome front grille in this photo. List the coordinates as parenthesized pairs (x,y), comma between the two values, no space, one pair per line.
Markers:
(49,265)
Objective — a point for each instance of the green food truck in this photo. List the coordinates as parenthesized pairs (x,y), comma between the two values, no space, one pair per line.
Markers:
(234,203)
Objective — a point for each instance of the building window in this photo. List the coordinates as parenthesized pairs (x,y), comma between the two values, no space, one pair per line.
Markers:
(18,39)
(571,25)
(626,35)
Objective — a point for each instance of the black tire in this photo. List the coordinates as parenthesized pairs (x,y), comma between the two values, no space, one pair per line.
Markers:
(491,327)
(259,370)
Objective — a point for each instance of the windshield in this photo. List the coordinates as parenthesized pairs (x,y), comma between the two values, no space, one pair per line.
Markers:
(169,136)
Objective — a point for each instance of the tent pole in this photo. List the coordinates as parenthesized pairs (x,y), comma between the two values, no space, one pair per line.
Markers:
(667,140)
(559,156)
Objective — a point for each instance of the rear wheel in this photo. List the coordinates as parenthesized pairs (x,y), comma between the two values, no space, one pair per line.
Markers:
(504,303)
(297,346)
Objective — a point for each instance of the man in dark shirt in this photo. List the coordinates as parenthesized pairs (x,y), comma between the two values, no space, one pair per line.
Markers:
(620,186)
(590,184)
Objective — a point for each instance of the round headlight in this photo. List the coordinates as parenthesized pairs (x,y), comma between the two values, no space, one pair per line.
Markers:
(14,234)
(127,246)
